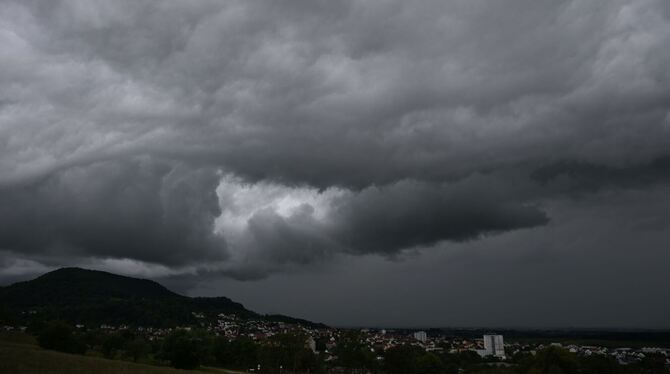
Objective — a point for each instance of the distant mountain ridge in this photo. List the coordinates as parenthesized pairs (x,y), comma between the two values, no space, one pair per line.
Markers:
(96,297)
(69,286)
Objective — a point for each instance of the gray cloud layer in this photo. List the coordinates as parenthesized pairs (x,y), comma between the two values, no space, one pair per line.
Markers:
(386,221)
(133,209)
(399,125)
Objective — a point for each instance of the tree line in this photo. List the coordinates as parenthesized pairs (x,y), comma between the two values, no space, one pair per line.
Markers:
(289,353)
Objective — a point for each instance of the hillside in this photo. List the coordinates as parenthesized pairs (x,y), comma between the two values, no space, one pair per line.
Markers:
(30,359)
(73,286)
(96,297)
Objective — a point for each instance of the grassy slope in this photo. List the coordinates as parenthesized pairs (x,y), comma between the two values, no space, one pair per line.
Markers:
(21,358)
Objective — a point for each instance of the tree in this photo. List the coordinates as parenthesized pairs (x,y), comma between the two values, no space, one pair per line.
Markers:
(222,352)
(651,364)
(466,360)
(59,336)
(596,364)
(6,317)
(289,351)
(352,353)
(241,353)
(182,349)
(552,360)
(409,359)
(429,363)
(137,349)
(402,359)
(111,344)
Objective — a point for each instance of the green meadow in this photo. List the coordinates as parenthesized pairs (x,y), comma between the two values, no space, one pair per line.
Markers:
(20,355)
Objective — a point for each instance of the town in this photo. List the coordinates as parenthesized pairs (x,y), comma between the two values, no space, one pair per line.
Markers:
(489,349)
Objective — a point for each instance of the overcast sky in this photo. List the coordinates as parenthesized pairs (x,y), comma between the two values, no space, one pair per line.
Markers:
(396,163)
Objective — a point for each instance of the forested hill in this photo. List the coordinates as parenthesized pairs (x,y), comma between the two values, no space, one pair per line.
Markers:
(96,297)
(73,286)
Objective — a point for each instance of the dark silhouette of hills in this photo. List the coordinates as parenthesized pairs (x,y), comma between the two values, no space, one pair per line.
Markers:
(94,297)
(73,286)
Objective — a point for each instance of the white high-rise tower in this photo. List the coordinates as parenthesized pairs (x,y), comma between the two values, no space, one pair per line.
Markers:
(494,346)
(421,336)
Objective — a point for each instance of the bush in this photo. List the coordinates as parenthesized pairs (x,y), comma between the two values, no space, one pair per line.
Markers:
(137,349)
(111,345)
(241,353)
(353,354)
(183,349)
(59,336)
(551,360)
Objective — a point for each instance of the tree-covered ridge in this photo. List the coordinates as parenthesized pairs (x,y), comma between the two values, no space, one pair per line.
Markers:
(72,286)
(92,297)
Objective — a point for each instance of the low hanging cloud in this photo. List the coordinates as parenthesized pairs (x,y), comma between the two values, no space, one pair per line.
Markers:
(250,137)
(412,214)
(139,209)
(580,176)
(287,227)
(169,215)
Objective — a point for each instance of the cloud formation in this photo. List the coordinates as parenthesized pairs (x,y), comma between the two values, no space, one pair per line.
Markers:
(269,225)
(136,209)
(247,138)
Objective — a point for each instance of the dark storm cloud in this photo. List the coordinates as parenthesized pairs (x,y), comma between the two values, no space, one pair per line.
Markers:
(154,212)
(584,176)
(409,214)
(432,121)
(384,221)
(599,263)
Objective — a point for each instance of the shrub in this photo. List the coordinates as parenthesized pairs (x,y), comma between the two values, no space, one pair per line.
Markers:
(59,336)
(182,349)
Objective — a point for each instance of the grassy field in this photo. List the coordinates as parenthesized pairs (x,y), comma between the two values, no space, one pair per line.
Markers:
(20,356)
